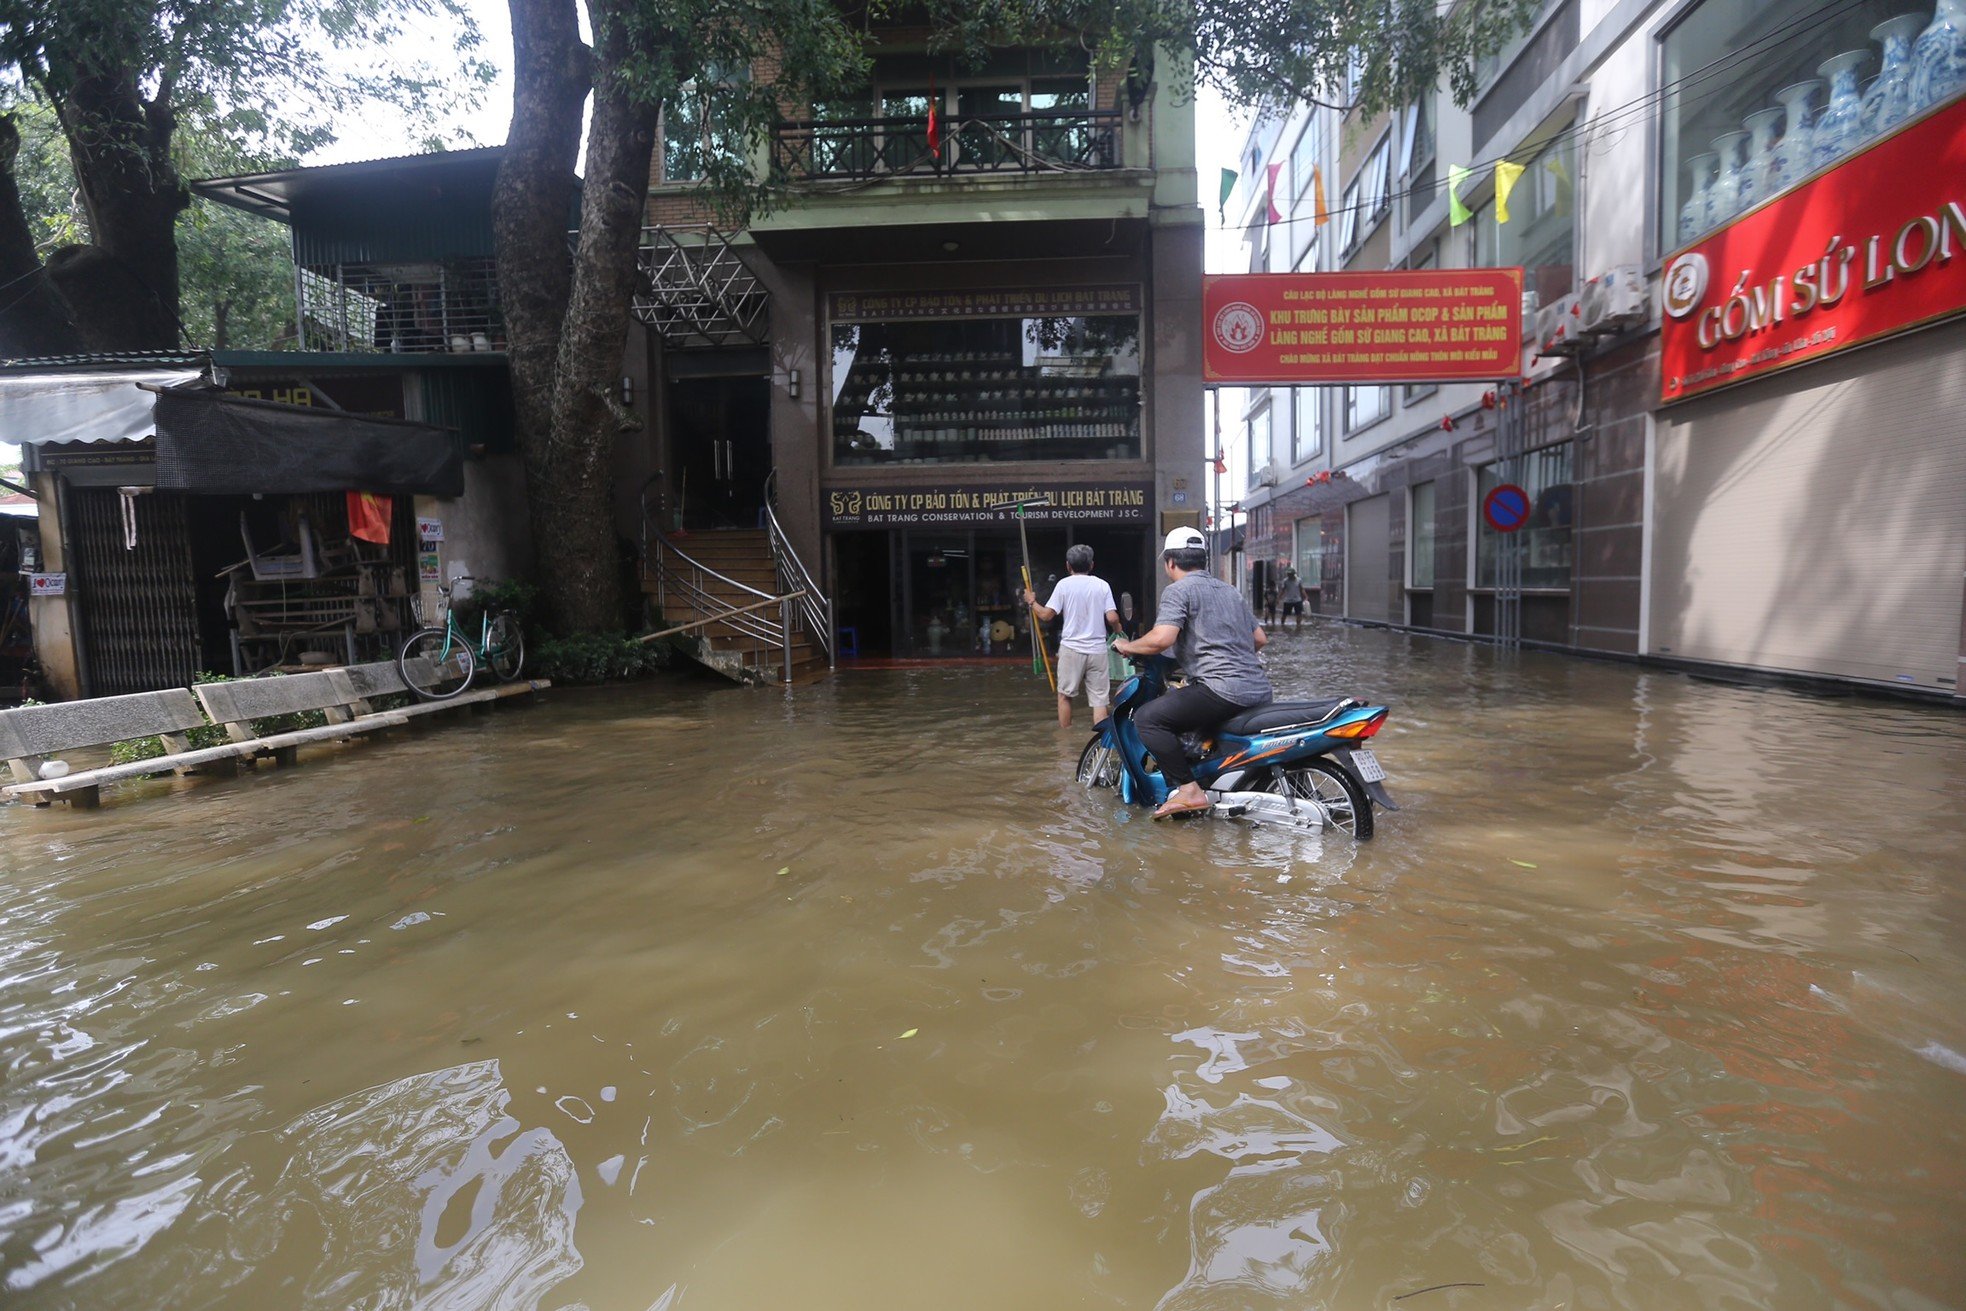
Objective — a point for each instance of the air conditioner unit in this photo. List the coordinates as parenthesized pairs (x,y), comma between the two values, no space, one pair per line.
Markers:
(1613,301)
(1558,330)
(1270,474)
(1531,308)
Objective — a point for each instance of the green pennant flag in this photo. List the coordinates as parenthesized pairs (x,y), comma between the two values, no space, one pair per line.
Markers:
(1228,189)
(1457,213)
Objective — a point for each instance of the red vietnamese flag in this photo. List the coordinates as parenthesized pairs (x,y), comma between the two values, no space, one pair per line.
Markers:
(1270,196)
(934,123)
(368,516)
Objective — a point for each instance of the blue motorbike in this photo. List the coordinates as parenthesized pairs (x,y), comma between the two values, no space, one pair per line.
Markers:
(1301,764)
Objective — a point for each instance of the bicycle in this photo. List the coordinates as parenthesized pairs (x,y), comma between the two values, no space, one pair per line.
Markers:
(439,661)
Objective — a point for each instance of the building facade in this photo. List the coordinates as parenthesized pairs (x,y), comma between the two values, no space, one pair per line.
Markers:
(948,313)
(1776,486)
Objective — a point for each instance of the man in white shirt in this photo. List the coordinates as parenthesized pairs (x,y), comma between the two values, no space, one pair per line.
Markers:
(1087,604)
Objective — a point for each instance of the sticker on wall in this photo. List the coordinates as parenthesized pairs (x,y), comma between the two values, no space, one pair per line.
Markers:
(429,530)
(47,584)
(428,568)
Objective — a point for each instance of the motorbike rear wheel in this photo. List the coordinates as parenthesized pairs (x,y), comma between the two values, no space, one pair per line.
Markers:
(1099,765)
(1332,787)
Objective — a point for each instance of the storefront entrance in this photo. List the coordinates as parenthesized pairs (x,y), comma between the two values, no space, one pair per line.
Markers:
(918,593)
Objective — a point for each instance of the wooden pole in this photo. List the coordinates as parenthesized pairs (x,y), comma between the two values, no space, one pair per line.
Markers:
(1037,637)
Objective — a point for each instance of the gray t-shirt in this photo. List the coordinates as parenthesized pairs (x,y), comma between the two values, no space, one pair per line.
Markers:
(1292,592)
(1217,645)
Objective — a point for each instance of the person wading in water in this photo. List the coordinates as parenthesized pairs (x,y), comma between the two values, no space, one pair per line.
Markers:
(1215,638)
(1087,604)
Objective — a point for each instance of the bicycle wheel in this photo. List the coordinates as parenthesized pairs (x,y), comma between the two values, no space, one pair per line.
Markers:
(1331,787)
(505,648)
(436,664)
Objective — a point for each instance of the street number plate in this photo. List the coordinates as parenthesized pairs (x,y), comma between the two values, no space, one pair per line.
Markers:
(1368,766)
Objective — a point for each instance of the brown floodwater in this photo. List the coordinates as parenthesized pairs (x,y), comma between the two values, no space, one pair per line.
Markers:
(688,998)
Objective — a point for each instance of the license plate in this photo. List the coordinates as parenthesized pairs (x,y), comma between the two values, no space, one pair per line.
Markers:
(1368,766)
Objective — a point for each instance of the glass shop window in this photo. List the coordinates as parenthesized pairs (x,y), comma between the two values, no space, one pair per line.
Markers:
(1546,537)
(984,390)
(1758,95)
(1420,536)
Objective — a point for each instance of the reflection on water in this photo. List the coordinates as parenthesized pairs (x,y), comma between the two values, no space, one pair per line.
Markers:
(682,998)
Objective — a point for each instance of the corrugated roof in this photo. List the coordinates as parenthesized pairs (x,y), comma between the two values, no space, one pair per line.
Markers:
(276,194)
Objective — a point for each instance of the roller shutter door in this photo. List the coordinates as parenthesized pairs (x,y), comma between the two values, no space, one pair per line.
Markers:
(1368,559)
(1815,522)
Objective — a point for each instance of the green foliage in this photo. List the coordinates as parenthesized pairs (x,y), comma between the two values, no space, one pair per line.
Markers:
(589,658)
(210,734)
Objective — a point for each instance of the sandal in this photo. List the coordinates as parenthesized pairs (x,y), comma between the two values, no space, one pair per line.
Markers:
(1169,810)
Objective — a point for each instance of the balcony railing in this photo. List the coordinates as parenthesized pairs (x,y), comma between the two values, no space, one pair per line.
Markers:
(1042,141)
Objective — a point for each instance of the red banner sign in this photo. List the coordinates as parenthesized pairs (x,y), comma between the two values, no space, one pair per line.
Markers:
(1875,246)
(1400,325)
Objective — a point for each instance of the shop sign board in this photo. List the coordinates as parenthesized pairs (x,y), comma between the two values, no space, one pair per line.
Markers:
(47,584)
(985,505)
(986,303)
(1506,508)
(429,530)
(1396,325)
(1873,247)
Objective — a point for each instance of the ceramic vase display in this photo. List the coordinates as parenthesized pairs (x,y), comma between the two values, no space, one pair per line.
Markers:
(1838,128)
(1693,214)
(1938,57)
(1888,101)
(1726,195)
(1791,161)
(1761,151)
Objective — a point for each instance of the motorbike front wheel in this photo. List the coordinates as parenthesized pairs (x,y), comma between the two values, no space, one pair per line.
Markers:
(1099,764)
(1332,787)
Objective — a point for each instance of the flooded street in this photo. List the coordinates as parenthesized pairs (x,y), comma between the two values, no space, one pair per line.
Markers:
(682,997)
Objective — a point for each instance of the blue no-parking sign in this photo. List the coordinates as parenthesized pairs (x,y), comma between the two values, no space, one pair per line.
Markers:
(1506,508)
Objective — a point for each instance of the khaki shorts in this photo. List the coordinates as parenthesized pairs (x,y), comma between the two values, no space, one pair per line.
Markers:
(1082,667)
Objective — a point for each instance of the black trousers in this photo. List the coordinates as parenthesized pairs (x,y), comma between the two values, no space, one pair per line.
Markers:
(1190,709)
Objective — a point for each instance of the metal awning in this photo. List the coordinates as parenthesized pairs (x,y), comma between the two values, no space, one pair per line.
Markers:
(696,291)
(95,406)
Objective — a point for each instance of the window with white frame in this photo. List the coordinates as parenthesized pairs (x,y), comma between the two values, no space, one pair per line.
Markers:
(1307,423)
(1303,166)
(1365,406)
(1424,256)
(689,128)
(1259,444)
(1367,198)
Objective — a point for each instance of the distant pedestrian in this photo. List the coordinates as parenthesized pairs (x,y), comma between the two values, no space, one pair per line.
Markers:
(1269,602)
(1087,604)
(1291,594)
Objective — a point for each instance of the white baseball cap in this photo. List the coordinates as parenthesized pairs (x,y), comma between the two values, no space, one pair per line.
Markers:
(1185,539)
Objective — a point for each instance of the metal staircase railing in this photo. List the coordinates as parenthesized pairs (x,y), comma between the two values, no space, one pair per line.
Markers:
(815,606)
(770,621)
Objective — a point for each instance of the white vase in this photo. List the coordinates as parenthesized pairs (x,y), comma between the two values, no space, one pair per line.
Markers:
(1888,102)
(1761,149)
(1836,130)
(1725,199)
(1693,214)
(1791,160)
(1938,58)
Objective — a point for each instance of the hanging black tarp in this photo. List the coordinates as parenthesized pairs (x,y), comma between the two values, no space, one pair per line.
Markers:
(216,445)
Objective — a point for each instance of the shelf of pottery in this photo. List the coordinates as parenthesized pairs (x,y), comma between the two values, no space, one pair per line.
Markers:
(1921,58)
(974,407)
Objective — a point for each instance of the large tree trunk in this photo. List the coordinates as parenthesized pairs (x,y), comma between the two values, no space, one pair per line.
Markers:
(567,326)
(34,321)
(124,292)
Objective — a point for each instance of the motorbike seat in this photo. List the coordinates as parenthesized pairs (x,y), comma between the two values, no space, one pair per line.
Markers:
(1287,714)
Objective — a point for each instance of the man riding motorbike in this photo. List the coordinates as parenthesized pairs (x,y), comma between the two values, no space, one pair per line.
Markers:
(1215,638)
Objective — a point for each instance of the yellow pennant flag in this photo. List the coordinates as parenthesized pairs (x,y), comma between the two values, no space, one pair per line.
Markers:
(1457,213)
(1506,175)
(1317,196)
